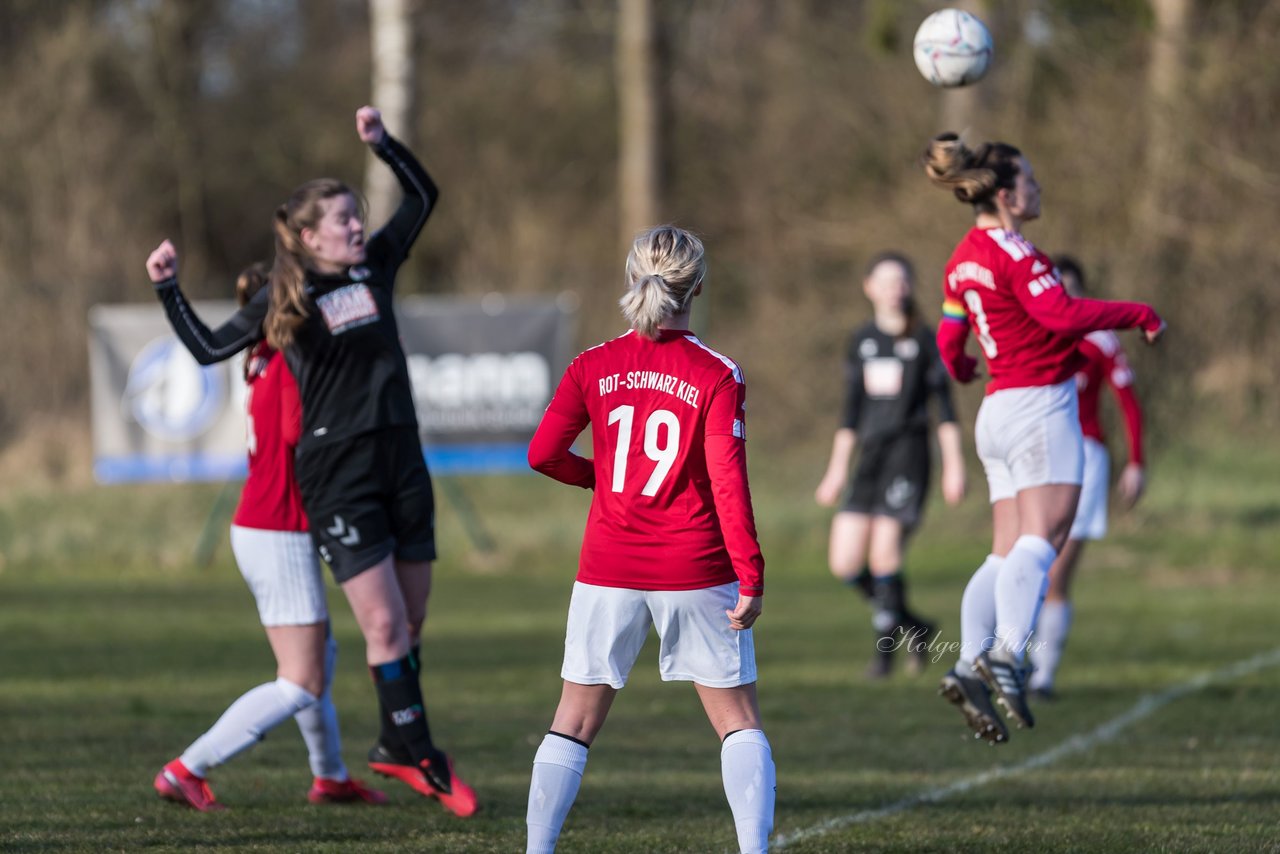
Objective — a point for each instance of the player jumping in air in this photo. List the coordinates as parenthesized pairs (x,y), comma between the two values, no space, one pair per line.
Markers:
(998,286)
(670,539)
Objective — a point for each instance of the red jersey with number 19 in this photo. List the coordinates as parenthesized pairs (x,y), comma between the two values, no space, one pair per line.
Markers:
(1011,296)
(672,509)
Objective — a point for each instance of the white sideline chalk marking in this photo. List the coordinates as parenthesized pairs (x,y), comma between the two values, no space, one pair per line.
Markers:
(1144,708)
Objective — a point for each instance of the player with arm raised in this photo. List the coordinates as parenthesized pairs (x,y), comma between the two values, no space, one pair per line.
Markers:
(998,286)
(670,539)
(1105,365)
(892,370)
(359,464)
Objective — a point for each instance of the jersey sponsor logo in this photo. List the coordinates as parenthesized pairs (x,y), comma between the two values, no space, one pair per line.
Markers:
(347,308)
(650,381)
(170,395)
(882,377)
(348,535)
(971,271)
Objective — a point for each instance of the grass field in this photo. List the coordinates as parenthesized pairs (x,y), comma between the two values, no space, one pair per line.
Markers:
(115,651)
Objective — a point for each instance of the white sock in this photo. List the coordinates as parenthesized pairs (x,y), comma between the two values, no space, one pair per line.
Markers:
(1050,639)
(319,724)
(557,773)
(1020,589)
(750,784)
(978,614)
(244,723)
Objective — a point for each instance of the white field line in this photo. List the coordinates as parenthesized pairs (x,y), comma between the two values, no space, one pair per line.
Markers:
(1079,743)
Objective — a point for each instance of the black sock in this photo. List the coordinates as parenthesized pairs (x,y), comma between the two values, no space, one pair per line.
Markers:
(889,606)
(863,583)
(389,737)
(404,726)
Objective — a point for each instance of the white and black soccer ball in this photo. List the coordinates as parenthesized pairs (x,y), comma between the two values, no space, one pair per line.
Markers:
(953,48)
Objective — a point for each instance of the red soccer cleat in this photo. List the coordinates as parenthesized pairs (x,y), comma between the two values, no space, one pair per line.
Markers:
(452,792)
(324,791)
(176,783)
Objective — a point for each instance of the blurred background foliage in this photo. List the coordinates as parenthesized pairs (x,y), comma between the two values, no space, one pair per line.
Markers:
(786,134)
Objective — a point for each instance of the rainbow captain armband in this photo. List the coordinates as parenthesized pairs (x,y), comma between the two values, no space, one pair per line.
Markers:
(953,310)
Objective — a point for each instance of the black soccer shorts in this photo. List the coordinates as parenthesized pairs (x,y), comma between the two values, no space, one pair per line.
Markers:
(368,497)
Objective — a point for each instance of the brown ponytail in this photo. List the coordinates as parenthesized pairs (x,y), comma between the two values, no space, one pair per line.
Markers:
(289,302)
(974,176)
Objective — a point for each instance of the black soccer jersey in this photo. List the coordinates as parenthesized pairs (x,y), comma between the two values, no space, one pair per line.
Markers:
(889,381)
(351,371)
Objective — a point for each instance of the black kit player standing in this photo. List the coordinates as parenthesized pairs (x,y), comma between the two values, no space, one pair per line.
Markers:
(892,371)
(364,483)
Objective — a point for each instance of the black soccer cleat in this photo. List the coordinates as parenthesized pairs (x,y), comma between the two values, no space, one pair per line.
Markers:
(974,701)
(1006,681)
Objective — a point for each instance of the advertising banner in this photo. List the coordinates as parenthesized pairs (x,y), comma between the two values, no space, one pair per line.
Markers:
(482,370)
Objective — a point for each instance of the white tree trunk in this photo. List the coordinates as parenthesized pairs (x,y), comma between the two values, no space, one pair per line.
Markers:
(639,116)
(392,34)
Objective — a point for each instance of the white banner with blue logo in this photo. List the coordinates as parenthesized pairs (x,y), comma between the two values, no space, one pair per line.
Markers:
(483,371)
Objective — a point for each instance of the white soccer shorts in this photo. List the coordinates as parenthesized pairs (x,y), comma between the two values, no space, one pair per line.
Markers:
(283,573)
(608,626)
(1091,513)
(1030,437)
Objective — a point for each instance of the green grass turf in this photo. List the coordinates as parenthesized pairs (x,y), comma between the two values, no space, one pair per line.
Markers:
(115,651)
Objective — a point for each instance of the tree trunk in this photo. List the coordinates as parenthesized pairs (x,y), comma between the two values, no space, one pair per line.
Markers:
(1157,218)
(174,97)
(639,118)
(392,32)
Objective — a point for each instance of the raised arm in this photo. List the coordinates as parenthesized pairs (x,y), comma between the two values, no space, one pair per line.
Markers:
(419,191)
(1053,308)
(206,345)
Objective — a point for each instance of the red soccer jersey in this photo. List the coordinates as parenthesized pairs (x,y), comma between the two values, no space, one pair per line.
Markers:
(270,499)
(1011,295)
(1106,365)
(672,509)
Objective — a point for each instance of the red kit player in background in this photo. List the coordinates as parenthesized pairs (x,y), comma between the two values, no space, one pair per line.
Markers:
(1007,292)
(1105,365)
(273,549)
(670,539)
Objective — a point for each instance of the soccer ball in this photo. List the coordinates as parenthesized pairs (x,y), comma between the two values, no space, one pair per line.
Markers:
(952,48)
